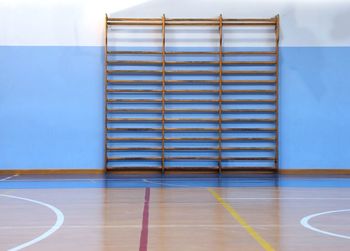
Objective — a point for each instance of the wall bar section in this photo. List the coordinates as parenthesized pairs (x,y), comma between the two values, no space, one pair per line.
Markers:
(180,105)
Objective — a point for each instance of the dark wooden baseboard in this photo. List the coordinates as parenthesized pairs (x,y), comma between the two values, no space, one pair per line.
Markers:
(53,171)
(314,171)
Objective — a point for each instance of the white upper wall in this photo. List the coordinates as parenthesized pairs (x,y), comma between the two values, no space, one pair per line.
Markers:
(81,22)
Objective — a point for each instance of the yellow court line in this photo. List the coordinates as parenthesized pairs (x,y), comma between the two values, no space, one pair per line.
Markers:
(242,222)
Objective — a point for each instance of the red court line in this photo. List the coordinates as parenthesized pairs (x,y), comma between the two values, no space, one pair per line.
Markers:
(144,231)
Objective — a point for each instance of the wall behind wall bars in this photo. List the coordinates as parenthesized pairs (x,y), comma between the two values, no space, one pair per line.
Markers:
(51,77)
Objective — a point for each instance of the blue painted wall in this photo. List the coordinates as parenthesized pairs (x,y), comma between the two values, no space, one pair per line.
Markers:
(51,107)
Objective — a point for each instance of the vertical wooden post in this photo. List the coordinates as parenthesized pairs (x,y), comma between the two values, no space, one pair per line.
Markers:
(105,91)
(277,32)
(163,89)
(220,96)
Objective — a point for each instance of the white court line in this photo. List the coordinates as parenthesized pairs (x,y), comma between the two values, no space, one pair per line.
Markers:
(305,222)
(286,198)
(162,183)
(10,177)
(54,228)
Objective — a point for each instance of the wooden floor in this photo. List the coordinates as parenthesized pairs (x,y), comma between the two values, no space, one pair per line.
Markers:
(246,213)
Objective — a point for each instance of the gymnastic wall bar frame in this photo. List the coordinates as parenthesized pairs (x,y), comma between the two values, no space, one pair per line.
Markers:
(219,22)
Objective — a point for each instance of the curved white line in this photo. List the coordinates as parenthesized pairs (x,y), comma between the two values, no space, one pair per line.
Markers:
(305,222)
(162,183)
(54,228)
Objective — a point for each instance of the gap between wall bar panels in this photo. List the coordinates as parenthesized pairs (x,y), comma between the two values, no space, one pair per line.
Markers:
(191,94)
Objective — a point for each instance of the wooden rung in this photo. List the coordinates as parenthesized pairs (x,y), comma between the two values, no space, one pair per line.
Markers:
(110,100)
(250,91)
(117,110)
(248,129)
(249,120)
(191,168)
(249,168)
(191,91)
(261,72)
(242,120)
(249,139)
(249,82)
(133,168)
(224,101)
(191,148)
(256,53)
(134,52)
(139,82)
(133,62)
(132,120)
(248,148)
(191,52)
(132,19)
(133,91)
(249,101)
(249,110)
(192,110)
(133,149)
(133,23)
(131,72)
(191,138)
(191,81)
(196,62)
(134,129)
(190,120)
(248,158)
(191,129)
(133,139)
(132,158)
(191,158)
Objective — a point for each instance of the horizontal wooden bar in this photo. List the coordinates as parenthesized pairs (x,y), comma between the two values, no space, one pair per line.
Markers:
(238,120)
(248,148)
(133,100)
(194,19)
(178,81)
(112,81)
(133,91)
(133,148)
(120,110)
(249,158)
(132,19)
(190,129)
(190,148)
(216,158)
(134,52)
(248,129)
(257,53)
(132,158)
(190,138)
(249,168)
(190,101)
(130,129)
(191,158)
(196,62)
(192,23)
(192,72)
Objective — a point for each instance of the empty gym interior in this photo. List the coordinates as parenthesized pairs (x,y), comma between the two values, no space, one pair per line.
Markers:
(167,125)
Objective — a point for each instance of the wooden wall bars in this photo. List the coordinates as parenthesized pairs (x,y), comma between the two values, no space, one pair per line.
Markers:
(191,94)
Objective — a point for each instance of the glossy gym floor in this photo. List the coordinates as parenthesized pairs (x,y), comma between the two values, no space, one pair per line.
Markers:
(174,212)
